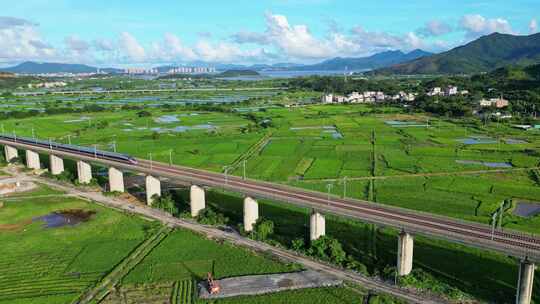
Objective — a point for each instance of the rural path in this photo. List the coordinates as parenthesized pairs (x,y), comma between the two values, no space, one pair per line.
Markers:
(434,174)
(211,232)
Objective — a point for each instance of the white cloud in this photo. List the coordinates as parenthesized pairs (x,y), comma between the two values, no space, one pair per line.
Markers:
(8,22)
(372,42)
(131,48)
(20,40)
(250,37)
(477,25)
(104,45)
(533,26)
(171,48)
(296,42)
(76,45)
(434,28)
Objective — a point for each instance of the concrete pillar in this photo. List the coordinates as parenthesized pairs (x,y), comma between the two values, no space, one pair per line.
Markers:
(84,172)
(317,226)
(197,200)
(153,187)
(525,282)
(116,180)
(405,254)
(57,164)
(32,160)
(251,213)
(10,153)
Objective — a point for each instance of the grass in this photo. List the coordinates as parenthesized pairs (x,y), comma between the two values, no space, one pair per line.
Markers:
(187,255)
(301,154)
(52,265)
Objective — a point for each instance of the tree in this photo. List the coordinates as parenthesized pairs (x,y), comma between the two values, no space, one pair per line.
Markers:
(327,248)
(208,216)
(165,202)
(144,114)
(263,229)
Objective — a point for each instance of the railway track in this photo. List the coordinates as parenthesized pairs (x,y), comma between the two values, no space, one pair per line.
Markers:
(471,230)
(508,242)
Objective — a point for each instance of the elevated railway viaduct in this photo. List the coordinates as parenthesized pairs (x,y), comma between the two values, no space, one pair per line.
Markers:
(524,247)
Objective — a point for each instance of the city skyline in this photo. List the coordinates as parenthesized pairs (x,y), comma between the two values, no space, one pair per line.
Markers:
(300,31)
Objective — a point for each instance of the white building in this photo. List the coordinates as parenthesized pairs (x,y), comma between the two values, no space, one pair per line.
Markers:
(327,98)
(451,91)
(494,102)
(435,91)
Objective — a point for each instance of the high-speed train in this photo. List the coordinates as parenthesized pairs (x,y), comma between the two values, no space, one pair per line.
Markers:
(71,148)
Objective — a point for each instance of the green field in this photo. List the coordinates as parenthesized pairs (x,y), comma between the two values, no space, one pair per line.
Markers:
(57,265)
(54,265)
(419,168)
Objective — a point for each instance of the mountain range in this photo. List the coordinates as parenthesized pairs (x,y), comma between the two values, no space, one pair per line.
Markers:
(378,60)
(482,55)
(383,59)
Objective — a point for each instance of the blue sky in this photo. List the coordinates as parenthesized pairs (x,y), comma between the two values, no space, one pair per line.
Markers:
(137,32)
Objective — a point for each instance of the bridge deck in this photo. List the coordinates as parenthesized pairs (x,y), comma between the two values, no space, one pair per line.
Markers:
(508,242)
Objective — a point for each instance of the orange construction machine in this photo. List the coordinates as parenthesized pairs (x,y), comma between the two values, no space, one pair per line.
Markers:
(213,286)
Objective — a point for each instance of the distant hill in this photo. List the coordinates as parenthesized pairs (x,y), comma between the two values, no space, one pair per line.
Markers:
(30,67)
(238,73)
(375,61)
(482,55)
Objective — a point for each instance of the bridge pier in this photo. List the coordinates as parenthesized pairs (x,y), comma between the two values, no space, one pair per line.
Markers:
(197,200)
(251,213)
(84,172)
(153,187)
(317,226)
(116,180)
(56,164)
(405,254)
(525,282)
(32,160)
(10,153)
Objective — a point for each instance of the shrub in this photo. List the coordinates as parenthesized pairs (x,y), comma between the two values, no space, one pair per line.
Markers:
(209,216)
(328,249)
(262,230)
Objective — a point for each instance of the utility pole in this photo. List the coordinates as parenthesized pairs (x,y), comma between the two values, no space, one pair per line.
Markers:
(69,139)
(344,187)
(493,222)
(329,188)
(114,146)
(244,163)
(226,171)
(33,133)
(50,144)
(501,211)
(170,157)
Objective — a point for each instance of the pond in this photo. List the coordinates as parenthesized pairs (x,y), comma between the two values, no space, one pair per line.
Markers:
(180,129)
(83,118)
(167,119)
(511,141)
(486,164)
(334,132)
(405,124)
(63,218)
(472,140)
(527,209)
